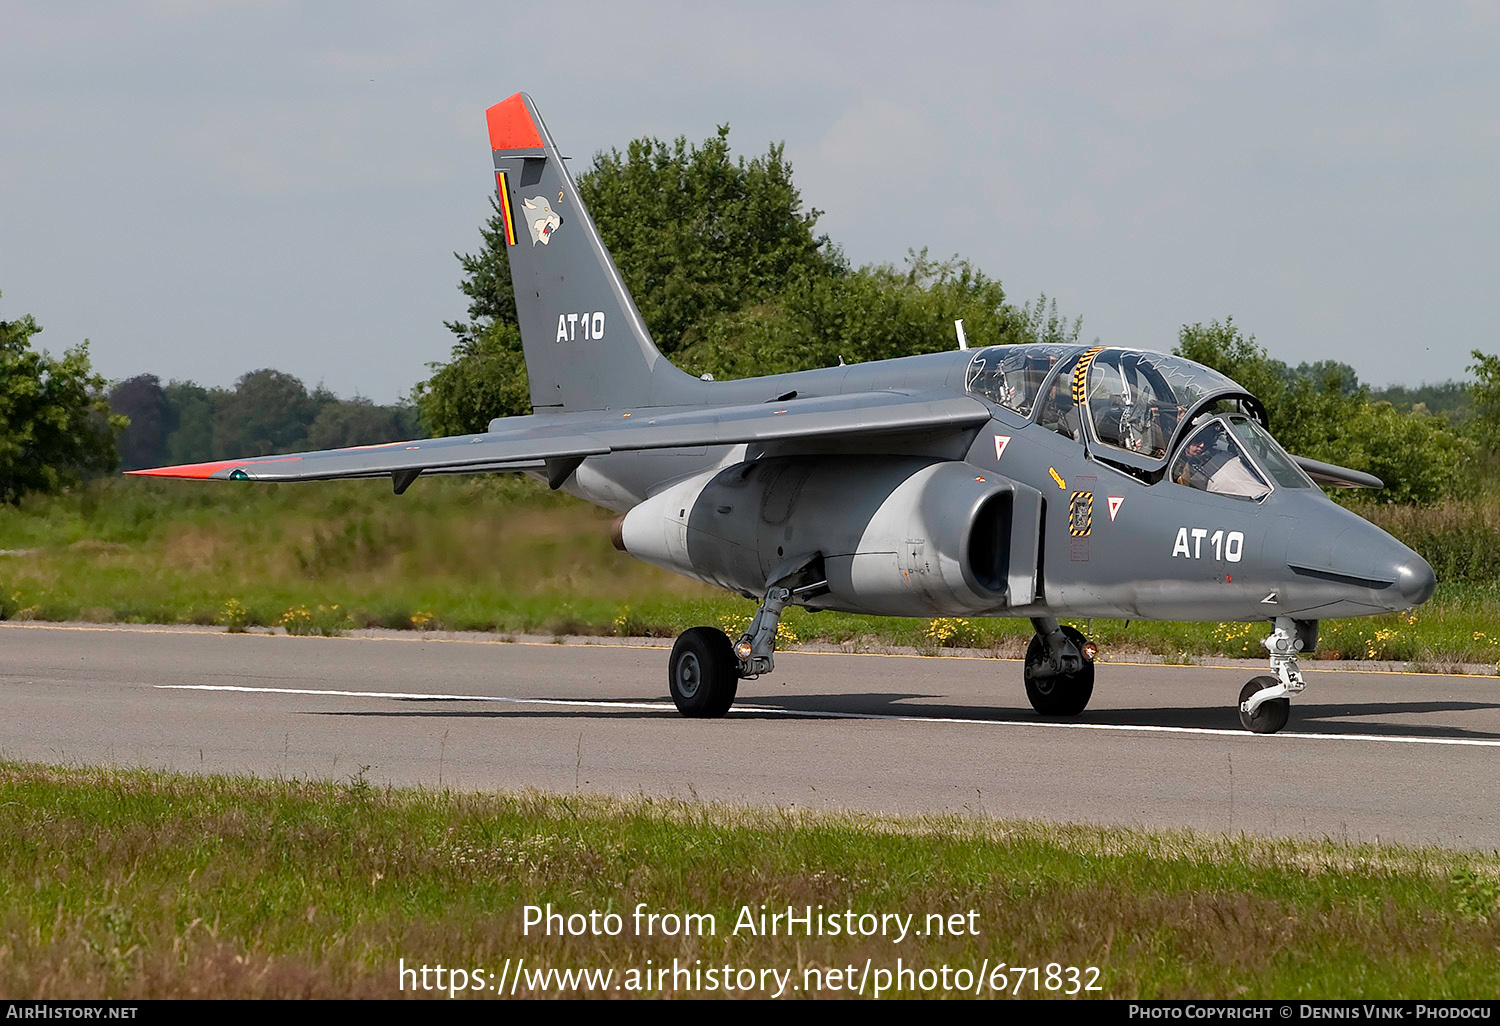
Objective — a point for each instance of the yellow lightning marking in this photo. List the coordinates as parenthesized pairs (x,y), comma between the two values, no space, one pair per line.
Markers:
(1058,478)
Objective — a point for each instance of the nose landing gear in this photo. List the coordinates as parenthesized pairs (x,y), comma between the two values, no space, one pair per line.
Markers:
(1265,704)
(1270,714)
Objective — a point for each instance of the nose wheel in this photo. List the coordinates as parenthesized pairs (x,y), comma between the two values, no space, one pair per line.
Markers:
(1268,717)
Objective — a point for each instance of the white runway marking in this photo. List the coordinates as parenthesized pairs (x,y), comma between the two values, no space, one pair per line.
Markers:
(667,707)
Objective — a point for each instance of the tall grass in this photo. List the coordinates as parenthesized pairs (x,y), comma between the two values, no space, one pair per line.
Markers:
(474,553)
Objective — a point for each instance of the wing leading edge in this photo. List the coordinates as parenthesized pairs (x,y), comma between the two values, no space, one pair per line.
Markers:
(525,443)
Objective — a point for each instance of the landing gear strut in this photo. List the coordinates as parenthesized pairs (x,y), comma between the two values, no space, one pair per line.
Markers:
(756,648)
(705,669)
(1059,669)
(1265,702)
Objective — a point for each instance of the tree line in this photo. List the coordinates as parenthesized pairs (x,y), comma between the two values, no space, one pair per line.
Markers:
(266,411)
(1324,412)
(732,277)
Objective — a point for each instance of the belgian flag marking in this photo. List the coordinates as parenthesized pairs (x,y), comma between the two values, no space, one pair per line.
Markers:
(510,222)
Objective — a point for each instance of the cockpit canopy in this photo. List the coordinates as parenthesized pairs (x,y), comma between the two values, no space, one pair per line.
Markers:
(1231,454)
(1137,400)
(1133,405)
(1012,376)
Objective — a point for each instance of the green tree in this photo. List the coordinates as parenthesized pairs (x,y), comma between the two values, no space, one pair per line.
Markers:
(692,231)
(143,402)
(1418,455)
(1044,325)
(1222,346)
(1329,373)
(193,410)
(1321,411)
(269,411)
(486,281)
(1484,396)
(55,421)
(358,421)
(485,379)
(695,233)
(875,313)
(1448,399)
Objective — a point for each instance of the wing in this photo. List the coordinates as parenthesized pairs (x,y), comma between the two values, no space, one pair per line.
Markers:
(1335,476)
(562,440)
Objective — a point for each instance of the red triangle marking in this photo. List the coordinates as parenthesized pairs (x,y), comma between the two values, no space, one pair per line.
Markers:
(1001,441)
(1115,501)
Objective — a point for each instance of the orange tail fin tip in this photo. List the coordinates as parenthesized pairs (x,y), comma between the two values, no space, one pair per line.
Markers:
(511,127)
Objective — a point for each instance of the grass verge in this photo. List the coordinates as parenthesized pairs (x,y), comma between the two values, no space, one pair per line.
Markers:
(137,884)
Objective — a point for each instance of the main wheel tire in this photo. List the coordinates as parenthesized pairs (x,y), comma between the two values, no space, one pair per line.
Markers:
(1064,694)
(1272,715)
(703,674)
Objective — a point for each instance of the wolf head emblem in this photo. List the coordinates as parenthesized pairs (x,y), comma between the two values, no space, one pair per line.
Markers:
(542,219)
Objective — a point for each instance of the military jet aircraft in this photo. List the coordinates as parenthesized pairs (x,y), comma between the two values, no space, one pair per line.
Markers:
(1037,481)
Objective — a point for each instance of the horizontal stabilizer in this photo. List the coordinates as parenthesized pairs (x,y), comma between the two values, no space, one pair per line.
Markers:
(522,443)
(1335,476)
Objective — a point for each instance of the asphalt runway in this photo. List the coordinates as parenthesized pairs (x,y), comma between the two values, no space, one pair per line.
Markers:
(1366,757)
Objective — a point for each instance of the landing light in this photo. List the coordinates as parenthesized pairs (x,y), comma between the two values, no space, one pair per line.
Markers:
(742,650)
(1090,650)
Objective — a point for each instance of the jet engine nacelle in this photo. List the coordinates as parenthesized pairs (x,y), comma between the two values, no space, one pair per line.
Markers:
(898,535)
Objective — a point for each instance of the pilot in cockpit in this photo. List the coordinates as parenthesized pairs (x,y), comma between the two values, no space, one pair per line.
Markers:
(1058,410)
(1211,461)
(1198,462)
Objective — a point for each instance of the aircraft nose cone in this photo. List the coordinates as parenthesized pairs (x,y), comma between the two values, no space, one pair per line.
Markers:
(1415,580)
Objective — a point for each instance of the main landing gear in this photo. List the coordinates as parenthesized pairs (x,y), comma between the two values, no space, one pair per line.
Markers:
(1265,704)
(705,669)
(702,674)
(1059,668)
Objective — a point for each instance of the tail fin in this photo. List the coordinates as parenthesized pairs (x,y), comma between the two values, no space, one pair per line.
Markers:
(585,344)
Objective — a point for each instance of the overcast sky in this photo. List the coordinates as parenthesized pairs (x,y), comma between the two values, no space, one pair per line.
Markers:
(207,188)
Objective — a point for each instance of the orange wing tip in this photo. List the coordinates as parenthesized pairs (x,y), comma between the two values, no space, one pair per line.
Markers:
(205,470)
(511,127)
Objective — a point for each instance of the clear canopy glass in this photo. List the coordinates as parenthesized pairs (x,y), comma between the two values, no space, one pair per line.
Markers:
(1269,454)
(1136,404)
(1056,410)
(1011,376)
(1137,399)
(1213,460)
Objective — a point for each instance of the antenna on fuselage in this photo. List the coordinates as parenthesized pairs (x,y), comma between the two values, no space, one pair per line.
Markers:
(958,326)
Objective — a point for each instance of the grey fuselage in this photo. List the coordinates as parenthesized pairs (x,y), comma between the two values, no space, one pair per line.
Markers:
(1154,551)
